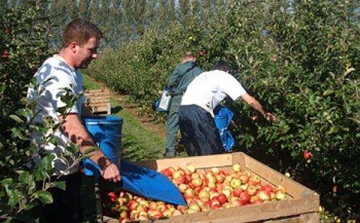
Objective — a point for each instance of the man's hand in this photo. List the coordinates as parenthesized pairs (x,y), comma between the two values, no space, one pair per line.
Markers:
(270,117)
(111,172)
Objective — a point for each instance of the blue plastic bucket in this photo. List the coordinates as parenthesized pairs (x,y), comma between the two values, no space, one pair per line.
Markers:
(106,132)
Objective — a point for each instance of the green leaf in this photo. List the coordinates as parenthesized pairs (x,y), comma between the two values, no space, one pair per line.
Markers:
(16,118)
(44,196)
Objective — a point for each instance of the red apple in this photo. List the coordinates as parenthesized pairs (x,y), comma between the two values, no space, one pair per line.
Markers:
(307,155)
(222,198)
(237,192)
(132,205)
(244,197)
(267,187)
(237,202)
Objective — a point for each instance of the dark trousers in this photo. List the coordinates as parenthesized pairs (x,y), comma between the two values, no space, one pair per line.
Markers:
(172,126)
(66,207)
(200,135)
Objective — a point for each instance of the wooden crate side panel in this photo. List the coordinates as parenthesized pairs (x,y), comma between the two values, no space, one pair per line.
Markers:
(203,162)
(271,211)
(293,188)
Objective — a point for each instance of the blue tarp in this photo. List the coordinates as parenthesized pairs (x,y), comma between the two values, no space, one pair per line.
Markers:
(223,117)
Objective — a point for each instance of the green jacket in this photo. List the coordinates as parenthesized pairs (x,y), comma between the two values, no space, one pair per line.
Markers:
(186,78)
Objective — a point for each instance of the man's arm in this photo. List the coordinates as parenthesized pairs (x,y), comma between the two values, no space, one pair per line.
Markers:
(78,134)
(257,106)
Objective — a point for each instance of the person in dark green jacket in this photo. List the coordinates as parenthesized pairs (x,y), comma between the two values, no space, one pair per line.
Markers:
(182,75)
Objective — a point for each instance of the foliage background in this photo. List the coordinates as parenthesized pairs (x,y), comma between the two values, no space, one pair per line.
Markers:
(299,58)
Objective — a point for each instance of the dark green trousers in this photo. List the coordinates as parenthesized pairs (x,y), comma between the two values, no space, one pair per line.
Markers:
(172,127)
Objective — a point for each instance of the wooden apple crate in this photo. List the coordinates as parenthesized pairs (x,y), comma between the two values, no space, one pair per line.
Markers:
(301,203)
(98,101)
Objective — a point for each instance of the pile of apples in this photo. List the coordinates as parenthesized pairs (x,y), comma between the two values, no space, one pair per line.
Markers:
(203,190)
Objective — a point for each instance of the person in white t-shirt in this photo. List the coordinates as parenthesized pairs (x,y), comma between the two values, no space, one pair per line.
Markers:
(200,135)
(58,76)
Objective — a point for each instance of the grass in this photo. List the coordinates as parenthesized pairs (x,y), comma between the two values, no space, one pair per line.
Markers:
(137,143)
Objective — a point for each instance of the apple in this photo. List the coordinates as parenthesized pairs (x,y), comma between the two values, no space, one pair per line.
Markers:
(213,194)
(181,208)
(5,54)
(132,205)
(237,202)
(197,182)
(251,190)
(237,192)
(112,196)
(235,183)
(222,198)
(182,187)
(204,195)
(236,167)
(166,213)
(166,172)
(215,170)
(160,205)
(189,193)
(123,214)
(180,180)
(227,192)
(152,205)
(307,154)
(133,214)
(280,194)
(219,178)
(244,178)
(215,207)
(195,176)
(205,206)
(176,213)
(254,180)
(191,169)
(264,195)
(244,197)
(194,206)
(154,214)
(267,187)
(177,174)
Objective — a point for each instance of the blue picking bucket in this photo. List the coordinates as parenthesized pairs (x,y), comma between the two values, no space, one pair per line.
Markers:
(106,132)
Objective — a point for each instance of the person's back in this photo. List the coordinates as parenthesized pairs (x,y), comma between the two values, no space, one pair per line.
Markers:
(209,88)
(182,76)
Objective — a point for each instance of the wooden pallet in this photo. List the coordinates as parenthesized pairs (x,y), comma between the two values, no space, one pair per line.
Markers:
(98,101)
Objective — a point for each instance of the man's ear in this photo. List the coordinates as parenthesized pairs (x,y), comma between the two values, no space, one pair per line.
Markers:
(72,46)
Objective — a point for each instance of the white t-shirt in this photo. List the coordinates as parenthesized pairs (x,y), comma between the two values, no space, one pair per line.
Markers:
(209,88)
(54,78)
